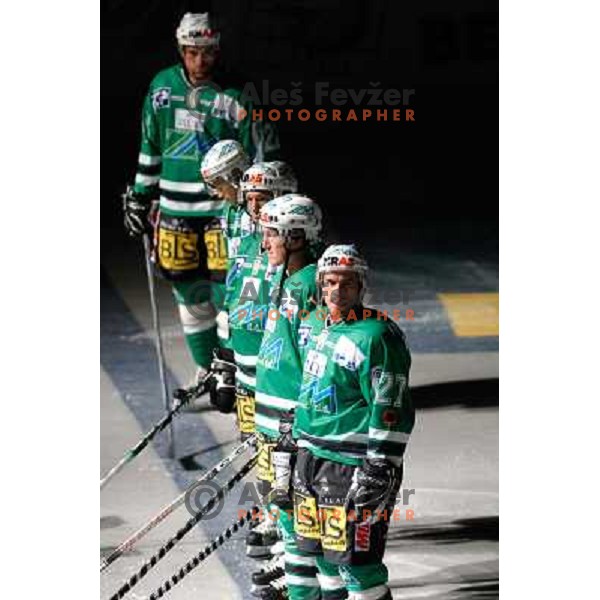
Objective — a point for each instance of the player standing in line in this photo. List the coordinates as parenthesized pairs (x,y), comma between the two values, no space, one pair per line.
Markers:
(184,114)
(249,284)
(292,238)
(353,420)
(222,170)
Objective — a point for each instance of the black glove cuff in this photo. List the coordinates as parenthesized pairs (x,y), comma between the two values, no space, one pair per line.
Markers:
(225,354)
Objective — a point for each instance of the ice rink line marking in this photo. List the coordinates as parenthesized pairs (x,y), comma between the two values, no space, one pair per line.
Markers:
(472,315)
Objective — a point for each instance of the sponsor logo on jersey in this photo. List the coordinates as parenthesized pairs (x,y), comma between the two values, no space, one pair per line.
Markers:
(303,335)
(161,98)
(270,352)
(315,364)
(322,400)
(347,354)
(186,120)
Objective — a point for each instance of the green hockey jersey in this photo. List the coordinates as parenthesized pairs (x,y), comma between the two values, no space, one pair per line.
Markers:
(178,128)
(354,400)
(249,286)
(279,365)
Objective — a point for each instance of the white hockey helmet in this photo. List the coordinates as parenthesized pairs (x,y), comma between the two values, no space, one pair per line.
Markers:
(195,30)
(275,178)
(343,258)
(291,214)
(286,178)
(228,160)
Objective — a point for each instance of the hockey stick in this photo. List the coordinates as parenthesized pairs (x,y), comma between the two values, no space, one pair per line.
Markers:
(167,510)
(134,579)
(182,397)
(208,550)
(158,341)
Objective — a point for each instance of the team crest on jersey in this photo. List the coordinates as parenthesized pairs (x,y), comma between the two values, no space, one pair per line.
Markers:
(347,354)
(161,98)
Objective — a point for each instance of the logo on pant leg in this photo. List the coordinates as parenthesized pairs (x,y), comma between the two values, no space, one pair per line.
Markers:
(306,519)
(245,411)
(178,250)
(362,537)
(265,469)
(333,528)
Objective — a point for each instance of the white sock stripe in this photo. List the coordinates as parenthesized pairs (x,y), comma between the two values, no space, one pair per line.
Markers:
(193,309)
(374,593)
(330,582)
(189,315)
(298,580)
(306,561)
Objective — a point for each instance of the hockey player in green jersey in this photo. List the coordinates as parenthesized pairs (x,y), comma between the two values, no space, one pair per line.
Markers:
(292,238)
(248,283)
(184,114)
(353,420)
(222,170)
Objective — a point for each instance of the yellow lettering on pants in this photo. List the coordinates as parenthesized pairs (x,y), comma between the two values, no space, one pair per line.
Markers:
(245,412)
(306,520)
(333,528)
(177,250)
(216,250)
(265,470)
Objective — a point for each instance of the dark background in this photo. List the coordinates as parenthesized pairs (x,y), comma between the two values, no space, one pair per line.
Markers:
(431,184)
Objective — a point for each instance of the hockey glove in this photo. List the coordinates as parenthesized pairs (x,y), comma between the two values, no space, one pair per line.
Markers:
(222,382)
(374,487)
(136,208)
